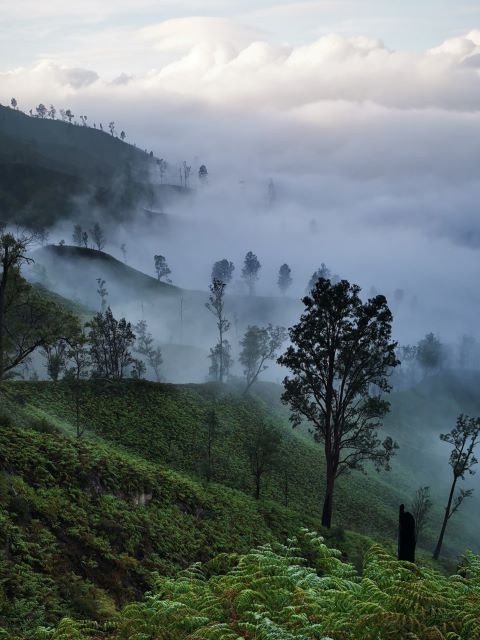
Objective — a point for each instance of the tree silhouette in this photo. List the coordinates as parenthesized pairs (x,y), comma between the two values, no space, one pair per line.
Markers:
(341,355)
(284,278)
(251,267)
(464,437)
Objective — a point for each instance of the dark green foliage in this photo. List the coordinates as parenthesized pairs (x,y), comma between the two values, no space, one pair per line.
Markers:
(110,341)
(259,346)
(46,164)
(167,424)
(82,526)
(340,358)
(302,590)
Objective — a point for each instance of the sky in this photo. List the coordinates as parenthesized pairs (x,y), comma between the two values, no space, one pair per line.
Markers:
(105,33)
(365,114)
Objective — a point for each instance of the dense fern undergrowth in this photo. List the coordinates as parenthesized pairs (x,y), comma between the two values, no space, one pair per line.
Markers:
(299,590)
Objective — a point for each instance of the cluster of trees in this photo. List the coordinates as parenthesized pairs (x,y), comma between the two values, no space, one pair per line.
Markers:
(259,345)
(28,320)
(94,238)
(66,115)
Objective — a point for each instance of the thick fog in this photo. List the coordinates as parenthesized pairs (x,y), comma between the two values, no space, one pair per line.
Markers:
(373,156)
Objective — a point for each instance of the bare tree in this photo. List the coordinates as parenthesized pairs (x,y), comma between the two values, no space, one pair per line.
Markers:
(216,305)
(420,510)
(464,437)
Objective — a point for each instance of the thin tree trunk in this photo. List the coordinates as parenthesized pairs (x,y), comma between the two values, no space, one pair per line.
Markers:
(328,500)
(438,548)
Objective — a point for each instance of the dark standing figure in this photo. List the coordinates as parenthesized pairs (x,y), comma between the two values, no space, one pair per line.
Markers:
(406,535)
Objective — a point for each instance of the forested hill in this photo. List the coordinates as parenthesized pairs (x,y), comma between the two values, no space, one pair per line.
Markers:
(49,167)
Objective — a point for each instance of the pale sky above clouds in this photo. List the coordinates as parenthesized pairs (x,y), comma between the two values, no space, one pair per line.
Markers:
(98,32)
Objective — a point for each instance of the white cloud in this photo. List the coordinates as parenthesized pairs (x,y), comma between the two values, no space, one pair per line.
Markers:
(379,146)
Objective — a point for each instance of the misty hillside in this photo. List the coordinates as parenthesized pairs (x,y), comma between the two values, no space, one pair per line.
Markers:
(177,317)
(50,169)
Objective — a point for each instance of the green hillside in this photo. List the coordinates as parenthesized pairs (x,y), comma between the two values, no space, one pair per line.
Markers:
(167,424)
(84,523)
(49,168)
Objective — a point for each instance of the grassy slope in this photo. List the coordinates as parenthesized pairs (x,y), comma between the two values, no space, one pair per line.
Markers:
(83,524)
(166,424)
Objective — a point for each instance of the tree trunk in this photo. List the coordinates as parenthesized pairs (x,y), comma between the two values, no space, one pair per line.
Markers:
(257,486)
(438,548)
(328,501)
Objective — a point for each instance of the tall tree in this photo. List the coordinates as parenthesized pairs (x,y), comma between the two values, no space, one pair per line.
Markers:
(223,270)
(144,345)
(340,357)
(263,446)
(251,267)
(430,353)
(464,437)
(52,112)
(220,361)
(110,343)
(259,346)
(77,235)
(284,278)
(123,249)
(98,236)
(203,173)
(78,364)
(216,306)
(85,239)
(14,103)
(161,267)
